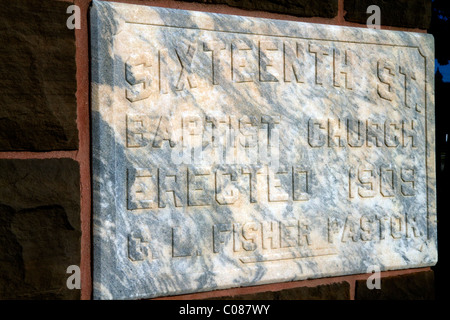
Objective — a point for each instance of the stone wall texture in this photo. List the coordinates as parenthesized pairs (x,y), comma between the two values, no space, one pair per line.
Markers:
(37,82)
(418,286)
(333,291)
(40,183)
(40,227)
(300,8)
(400,13)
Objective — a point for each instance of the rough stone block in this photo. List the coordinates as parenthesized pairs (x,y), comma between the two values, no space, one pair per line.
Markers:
(415,286)
(300,8)
(38,77)
(333,291)
(400,13)
(232,151)
(39,228)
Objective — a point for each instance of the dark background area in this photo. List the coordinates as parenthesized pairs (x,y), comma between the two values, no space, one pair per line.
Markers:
(440,28)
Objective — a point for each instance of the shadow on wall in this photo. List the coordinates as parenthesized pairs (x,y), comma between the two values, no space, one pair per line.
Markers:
(39,228)
(36,247)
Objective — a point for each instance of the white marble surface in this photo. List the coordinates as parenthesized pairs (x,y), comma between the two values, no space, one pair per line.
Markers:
(233,151)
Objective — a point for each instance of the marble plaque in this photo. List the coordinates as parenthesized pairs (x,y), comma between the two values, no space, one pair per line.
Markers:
(232,151)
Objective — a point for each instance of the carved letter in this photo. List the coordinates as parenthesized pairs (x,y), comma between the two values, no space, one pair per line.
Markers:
(226,193)
(221,234)
(142,188)
(304,231)
(200,190)
(320,53)
(288,233)
(248,127)
(215,47)
(387,182)
(301,183)
(267,71)
(355,132)
(276,192)
(252,171)
(185,58)
(408,182)
(164,132)
(367,179)
(350,230)
(294,62)
(374,134)
(138,247)
(396,227)
(366,228)
(316,136)
(250,232)
(392,133)
(409,131)
(172,181)
(138,75)
(410,86)
(342,68)
(241,69)
(336,129)
(137,131)
(385,72)
(270,235)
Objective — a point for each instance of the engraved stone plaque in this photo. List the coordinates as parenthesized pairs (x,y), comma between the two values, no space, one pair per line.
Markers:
(232,151)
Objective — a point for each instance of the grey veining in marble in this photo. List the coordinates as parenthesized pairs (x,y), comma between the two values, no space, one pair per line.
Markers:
(232,151)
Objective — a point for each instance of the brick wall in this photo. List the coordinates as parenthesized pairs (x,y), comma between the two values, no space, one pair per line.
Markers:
(45,195)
